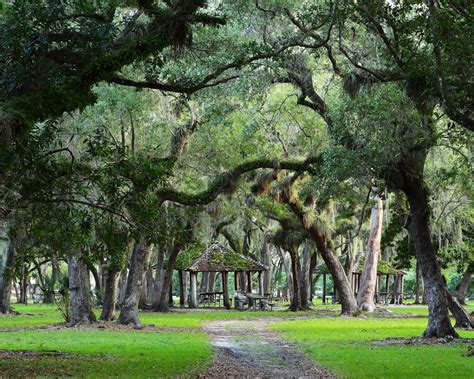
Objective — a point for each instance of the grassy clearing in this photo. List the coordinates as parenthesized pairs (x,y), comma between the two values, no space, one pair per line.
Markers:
(344,345)
(107,353)
(181,347)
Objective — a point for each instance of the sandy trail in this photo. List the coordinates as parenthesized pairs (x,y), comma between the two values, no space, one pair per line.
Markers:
(249,349)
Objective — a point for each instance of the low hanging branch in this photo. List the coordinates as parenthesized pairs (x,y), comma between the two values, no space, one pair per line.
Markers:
(225,179)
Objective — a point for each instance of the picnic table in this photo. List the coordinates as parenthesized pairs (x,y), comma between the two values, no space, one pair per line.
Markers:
(210,297)
(254,297)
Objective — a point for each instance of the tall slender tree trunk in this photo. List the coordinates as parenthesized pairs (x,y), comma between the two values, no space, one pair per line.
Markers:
(159,277)
(439,324)
(305,286)
(288,274)
(79,288)
(267,261)
(110,294)
(138,263)
(365,296)
(164,304)
(463,287)
(6,279)
(313,279)
(295,304)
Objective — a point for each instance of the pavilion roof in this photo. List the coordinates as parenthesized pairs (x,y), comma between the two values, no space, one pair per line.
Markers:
(218,258)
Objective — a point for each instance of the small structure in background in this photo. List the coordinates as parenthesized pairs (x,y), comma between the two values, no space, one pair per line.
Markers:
(218,259)
(389,288)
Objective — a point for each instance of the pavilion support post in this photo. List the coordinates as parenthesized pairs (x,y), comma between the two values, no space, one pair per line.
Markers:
(260,284)
(249,281)
(324,288)
(193,294)
(401,288)
(225,288)
(182,285)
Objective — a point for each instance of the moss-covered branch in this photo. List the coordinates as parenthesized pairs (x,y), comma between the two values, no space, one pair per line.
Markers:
(224,180)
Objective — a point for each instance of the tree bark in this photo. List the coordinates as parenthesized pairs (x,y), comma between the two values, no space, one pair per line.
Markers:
(341,283)
(365,296)
(138,263)
(6,279)
(159,276)
(305,286)
(267,261)
(295,304)
(439,324)
(79,288)
(418,284)
(163,304)
(463,287)
(463,320)
(110,295)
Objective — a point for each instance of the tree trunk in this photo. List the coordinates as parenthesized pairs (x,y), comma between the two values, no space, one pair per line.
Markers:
(365,296)
(163,304)
(313,280)
(267,261)
(288,275)
(439,324)
(463,320)
(418,284)
(305,282)
(79,288)
(6,279)
(341,283)
(296,293)
(159,277)
(463,287)
(138,263)
(110,294)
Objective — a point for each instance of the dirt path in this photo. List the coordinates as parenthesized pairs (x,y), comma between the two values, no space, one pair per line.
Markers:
(249,349)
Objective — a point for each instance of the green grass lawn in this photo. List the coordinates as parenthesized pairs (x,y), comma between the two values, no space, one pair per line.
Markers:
(102,353)
(344,345)
(178,346)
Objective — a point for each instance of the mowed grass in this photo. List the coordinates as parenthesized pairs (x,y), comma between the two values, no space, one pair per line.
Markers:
(178,346)
(100,353)
(345,346)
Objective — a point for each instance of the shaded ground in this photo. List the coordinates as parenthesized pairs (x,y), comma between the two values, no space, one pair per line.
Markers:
(249,349)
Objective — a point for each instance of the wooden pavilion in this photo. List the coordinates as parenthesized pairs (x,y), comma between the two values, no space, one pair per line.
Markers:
(217,258)
(389,287)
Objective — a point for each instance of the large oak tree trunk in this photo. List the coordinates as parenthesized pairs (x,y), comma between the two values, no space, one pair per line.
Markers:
(463,287)
(79,288)
(6,279)
(439,324)
(110,294)
(138,263)
(365,296)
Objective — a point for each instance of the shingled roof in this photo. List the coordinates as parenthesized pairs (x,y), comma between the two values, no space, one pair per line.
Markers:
(218,258)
